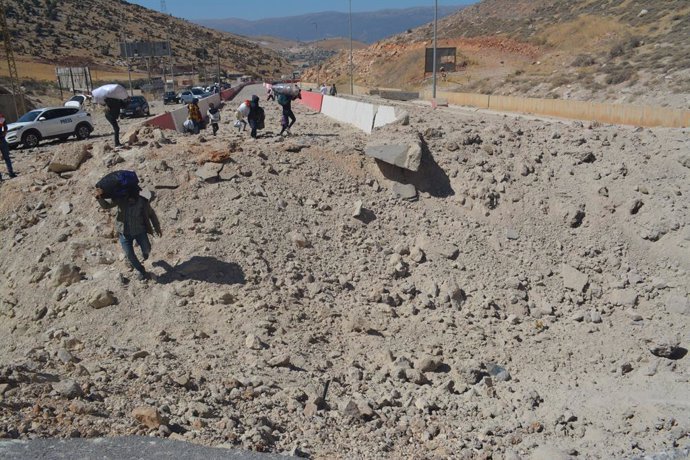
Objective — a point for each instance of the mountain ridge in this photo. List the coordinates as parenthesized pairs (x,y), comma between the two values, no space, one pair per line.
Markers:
(368,27)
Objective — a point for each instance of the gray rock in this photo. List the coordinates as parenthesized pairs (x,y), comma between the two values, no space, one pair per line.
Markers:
(298,239)
(358,209)
(499,373)
(65,274)
(65,356)
(69,158)
(404,191)
(435,249)
(65,207)
(664,347)
(209,171)
(101,299)
(678,304)
(282,360)
(68,389)
(406,155)
(623,297)
(573,279)
(512,234)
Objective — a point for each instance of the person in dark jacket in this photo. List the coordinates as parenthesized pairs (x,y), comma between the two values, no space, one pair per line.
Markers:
(5,148)
(334,90)
(289,118)
(112,113)
(256,117)
(134,221)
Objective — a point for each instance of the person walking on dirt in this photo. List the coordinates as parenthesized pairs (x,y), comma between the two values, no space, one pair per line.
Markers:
(334,91)
(134,221)
(5,148)
(213,117)
(195,115)
(112,113)
(270,96)
(241,113)
(323,89)
(288,119)
(256,116)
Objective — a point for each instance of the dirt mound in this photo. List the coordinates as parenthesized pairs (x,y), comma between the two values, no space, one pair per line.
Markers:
(534,297)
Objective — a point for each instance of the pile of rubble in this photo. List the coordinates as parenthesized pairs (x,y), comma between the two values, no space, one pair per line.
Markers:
(517,289)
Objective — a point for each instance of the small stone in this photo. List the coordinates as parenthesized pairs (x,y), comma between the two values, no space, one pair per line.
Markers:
(678,304)
(299,239)
(68,389)
(253,342)
(101,299)
(65,356)
(65,207)
(282,360)
(573,279)
(623,297)
(499,373)
(148,416)
(633,315)
(358,209)
(664,347)
(512,234)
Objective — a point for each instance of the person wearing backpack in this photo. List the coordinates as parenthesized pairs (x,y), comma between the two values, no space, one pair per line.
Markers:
(256,116)
(134,221)
(288,119)
(213,117)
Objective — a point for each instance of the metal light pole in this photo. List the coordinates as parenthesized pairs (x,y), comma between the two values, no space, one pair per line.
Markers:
(352,81)
(435,35)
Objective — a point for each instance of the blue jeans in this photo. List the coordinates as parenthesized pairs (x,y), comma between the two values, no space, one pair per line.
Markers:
(127,243)
(6,155)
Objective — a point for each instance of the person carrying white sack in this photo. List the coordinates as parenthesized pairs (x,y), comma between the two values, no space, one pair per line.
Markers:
(241,115)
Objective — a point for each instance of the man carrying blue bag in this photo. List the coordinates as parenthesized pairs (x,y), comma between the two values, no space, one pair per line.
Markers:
(135,218)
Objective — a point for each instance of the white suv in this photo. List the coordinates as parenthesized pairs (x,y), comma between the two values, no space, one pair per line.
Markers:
(49,123)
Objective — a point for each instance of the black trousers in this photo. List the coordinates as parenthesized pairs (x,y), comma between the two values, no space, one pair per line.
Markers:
(116,127)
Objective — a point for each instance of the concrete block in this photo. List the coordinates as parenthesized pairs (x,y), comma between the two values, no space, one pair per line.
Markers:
(359,114)
(405,155)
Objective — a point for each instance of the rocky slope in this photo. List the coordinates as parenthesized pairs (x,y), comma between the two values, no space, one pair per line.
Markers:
(635,52)
(89,32)
(533,302)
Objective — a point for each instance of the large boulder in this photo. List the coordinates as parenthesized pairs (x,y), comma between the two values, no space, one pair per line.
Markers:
(69,158)
(404,151)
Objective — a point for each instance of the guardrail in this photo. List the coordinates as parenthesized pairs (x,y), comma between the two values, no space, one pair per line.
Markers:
(622,114)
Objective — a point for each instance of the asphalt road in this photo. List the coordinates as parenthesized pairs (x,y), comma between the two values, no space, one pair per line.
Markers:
(124,448)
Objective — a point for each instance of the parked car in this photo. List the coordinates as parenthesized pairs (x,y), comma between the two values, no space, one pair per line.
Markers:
(200,93)
(49,123)
(169,97)
(78,101)
(187,96)
(137,106)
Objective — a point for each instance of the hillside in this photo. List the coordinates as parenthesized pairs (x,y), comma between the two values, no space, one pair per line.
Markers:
(366,27)
(88,32)
(626,51)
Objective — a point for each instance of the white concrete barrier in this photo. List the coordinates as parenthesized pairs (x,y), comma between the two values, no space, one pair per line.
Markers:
(180,115)
(385,115)
(359,114)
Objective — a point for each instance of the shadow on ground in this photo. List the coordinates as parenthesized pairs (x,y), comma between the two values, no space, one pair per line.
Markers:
(207,269)
(430,177)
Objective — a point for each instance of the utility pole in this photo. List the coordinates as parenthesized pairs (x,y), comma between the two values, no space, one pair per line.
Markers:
(435,36)
(19,106)
(129,67)
(164,10)
(352,78)
(219,64)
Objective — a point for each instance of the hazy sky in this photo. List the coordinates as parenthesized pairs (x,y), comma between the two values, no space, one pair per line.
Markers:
(252,9)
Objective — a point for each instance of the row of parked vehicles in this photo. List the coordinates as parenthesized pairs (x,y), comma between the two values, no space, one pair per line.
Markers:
(188,95)
(63,122)
(73,120)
